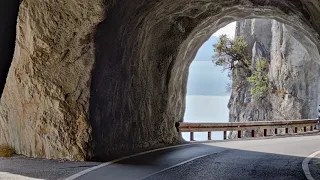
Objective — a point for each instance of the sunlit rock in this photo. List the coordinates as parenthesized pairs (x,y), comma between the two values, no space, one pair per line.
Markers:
(293,75)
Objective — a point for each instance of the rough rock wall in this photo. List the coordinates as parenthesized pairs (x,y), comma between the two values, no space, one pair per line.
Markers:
(44,106)
(55,106)
(293,75)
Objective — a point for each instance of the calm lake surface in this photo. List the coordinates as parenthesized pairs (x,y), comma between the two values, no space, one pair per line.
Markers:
(206,109)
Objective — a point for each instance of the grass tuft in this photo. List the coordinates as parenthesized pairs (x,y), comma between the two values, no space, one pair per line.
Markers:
(6,151)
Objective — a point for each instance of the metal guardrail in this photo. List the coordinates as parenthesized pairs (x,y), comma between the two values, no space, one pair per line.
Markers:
(253,126)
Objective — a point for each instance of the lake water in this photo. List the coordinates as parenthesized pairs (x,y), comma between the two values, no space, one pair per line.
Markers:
(206,109)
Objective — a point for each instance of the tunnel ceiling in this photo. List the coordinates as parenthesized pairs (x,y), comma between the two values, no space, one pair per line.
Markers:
(99,80)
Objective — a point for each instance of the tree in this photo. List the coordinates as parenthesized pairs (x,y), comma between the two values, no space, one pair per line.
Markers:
(259,79)
(232,54)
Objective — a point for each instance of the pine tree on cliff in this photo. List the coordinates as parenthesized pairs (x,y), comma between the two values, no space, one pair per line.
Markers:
(233,55)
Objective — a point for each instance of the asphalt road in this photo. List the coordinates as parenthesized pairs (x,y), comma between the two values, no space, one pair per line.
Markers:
(278,159)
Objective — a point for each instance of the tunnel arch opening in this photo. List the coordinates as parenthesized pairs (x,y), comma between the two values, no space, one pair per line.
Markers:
(291,65)
(138,87)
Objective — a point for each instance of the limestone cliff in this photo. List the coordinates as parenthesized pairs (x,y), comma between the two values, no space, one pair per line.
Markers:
(44,106)
(293,75)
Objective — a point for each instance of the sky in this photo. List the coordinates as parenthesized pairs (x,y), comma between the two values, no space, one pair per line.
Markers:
(229,30)
(205,78)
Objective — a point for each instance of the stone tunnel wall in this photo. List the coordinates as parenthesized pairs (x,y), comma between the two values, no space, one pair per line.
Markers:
(146,78)
(55,106)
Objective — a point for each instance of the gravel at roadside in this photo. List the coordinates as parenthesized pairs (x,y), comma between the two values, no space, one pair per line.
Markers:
(23,168)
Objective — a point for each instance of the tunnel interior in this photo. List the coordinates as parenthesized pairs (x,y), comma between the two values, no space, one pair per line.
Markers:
(138,87)
(103,79)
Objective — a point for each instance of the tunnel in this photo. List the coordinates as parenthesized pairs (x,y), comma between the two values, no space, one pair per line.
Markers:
(100,80)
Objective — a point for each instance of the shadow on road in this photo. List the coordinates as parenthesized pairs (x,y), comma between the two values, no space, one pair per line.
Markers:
(216,163)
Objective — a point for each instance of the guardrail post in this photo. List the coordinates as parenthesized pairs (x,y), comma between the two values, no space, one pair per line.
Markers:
(224,135)
(191,136)
(305,129)
(287,130)
(265,132)
(209,135)
(296,130)
(239,134)
(252,133)
(275,131)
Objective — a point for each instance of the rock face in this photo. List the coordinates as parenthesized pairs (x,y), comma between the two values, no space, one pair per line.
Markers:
(102,79)
(293,75)
(44,106)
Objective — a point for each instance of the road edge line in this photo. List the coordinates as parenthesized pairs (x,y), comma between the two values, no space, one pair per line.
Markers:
(305,165)
(81,173)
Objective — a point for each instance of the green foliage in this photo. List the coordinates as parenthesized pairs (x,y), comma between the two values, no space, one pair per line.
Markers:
(6,150)
(259,79)
(232,54)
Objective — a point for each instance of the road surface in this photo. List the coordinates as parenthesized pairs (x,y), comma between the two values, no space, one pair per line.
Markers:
(278,158)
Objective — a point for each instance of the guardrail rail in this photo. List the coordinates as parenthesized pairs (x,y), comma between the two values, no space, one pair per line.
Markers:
(253,126)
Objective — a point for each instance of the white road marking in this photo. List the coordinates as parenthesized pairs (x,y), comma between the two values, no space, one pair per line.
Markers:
(305,165)
(184,162)
(7,175)
(120,159)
